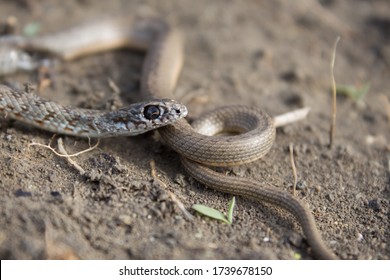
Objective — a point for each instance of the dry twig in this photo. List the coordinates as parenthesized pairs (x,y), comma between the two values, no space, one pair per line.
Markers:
(294,169)
(62,150)
(65,155)
(290,117)
(387,106)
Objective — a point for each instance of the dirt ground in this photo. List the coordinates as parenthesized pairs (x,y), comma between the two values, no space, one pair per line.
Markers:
(271,54)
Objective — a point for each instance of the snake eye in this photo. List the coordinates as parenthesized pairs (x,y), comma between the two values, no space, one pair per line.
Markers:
(151,112)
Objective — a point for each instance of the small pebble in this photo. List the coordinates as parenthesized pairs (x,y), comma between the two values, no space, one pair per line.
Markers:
(330,197)
(163,207)
(51,178)
(375,205)
(301,185)
(180,180)
(199,235)
(125,219)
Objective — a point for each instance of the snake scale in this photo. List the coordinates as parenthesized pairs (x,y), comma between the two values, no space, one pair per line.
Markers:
(198,145)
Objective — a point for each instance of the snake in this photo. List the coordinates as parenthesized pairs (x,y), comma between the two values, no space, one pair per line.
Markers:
(202,145)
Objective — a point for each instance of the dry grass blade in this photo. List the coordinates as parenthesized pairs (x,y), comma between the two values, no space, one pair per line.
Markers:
(334,94)
(290,117)
(387,106)
(62,150)
(294,169)
(66,155)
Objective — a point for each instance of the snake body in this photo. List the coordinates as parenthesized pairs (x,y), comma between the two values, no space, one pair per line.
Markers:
(132,120)
(198,145)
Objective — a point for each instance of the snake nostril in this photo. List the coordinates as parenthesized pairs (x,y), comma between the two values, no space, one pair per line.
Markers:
(151,112)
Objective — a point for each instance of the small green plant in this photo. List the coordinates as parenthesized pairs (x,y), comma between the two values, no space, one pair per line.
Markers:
(297,256)
(356,93)
(215,214)
(31,29)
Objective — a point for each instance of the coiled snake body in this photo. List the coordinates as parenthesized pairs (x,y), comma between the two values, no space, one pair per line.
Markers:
(198,145)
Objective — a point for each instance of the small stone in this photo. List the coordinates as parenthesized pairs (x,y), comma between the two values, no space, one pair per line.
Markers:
(51,178)
(301,185)
(125,219)
(180,180)
(199,235)
(330,197)
(359,237)
(375,205)
(137,185)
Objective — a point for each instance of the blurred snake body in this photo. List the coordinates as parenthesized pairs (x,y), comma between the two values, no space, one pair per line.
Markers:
(199,145)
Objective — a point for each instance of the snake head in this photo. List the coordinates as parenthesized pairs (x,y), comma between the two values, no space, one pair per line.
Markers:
(161,112)
(139,118)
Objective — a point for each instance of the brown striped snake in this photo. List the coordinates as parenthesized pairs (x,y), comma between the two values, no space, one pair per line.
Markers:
(198,145)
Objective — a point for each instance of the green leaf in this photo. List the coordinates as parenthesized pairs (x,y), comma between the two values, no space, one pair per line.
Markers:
(297,256)
(210,212)
(357,93)
(31,29)
(232,203)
